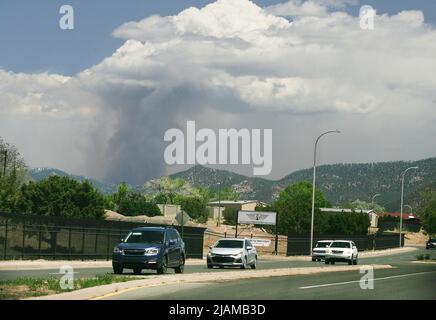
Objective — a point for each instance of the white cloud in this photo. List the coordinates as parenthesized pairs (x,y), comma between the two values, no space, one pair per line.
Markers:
(234,57)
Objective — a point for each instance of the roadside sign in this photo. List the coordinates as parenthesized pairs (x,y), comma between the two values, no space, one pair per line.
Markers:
(182,218)
(260,242)
(257,217)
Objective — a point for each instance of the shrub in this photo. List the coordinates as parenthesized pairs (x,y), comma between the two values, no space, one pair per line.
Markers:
(230,215)
(195,208)
(61,196)
(135,204)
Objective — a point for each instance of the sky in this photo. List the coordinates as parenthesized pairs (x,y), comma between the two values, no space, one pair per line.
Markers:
(97,100)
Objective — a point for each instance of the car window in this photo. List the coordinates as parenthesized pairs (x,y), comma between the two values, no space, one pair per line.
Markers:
(229,244)
(145,237)
(340,244)
(173,235)
(249,243)
(322,244)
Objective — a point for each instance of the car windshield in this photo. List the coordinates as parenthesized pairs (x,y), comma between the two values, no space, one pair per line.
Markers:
(322,244)
(340,245)
(145,237)
(229,244)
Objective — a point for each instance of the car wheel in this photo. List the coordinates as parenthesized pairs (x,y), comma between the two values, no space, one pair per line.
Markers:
(332,262)
(118,270)
(164,266)
(181,266)
(326,261)
(351,261)
(355,261)
(209,266)
(137,270)
(254,264)
(313,259)
(244,265)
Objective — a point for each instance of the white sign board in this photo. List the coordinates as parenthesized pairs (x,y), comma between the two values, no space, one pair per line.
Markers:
(260,242)
(257,217)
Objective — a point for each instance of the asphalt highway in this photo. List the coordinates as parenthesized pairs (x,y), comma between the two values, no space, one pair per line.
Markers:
(262,265)
(406,280)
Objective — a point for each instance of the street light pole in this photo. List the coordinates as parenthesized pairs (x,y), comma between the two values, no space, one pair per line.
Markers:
(218,224)
(410,208)
(402,195)
(313,186)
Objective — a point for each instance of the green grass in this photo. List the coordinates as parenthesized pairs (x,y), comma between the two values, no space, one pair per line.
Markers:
(32,287)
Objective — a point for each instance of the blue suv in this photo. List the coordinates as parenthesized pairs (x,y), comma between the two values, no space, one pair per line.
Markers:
(154,248)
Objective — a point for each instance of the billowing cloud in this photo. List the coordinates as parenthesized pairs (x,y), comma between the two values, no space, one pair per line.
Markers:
(243,64)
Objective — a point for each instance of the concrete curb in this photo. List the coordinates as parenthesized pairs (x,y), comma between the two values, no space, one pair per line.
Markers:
(100,292)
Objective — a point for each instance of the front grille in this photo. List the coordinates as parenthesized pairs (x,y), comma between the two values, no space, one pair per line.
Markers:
(336,251)
(134,252)
(223,259)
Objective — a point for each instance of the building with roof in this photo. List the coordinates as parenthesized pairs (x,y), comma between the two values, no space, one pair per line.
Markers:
(373,216)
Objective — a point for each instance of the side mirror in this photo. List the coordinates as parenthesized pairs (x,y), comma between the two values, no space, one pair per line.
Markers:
(210,247)
(249,248)
(172,242)
(122,240)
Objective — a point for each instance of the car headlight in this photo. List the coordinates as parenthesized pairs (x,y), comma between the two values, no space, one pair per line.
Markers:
(118,250)
(328,251)
(238,255)
(209,254)
(151,251)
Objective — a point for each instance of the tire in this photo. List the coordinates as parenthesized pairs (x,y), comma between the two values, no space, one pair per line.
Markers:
(181,266)
(118,270)
(244,265)
(355,261)
(209,266)
(326,261)
(332,262)
(351,261)
(137,270)
(163,268)
(254,264)
(313,259)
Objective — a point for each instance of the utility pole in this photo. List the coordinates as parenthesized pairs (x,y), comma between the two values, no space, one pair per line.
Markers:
(218,224)
(4,164)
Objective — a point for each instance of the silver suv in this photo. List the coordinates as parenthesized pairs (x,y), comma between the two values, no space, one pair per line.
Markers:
(232,252)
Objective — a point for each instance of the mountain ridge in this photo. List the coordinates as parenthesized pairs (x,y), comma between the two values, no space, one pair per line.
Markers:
(342,182)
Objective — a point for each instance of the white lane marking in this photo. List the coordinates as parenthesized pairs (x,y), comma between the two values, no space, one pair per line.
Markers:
(357,281)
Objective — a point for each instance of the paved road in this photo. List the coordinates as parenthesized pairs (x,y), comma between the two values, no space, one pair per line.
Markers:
(262,264)
(405,281)
(408,282)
